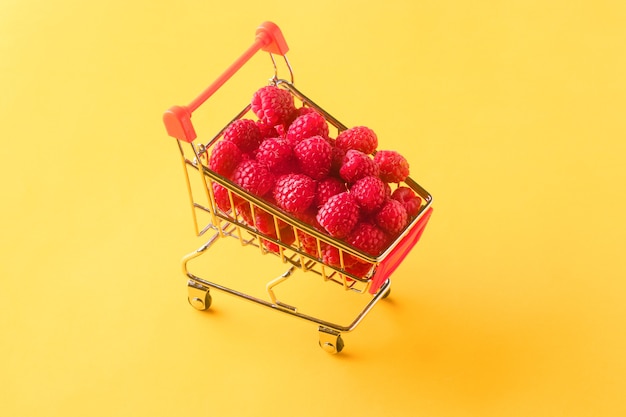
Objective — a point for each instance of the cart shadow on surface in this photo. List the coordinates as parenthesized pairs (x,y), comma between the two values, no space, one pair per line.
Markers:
(478,351)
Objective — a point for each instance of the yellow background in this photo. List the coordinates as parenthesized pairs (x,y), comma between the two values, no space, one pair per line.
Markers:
(512,114)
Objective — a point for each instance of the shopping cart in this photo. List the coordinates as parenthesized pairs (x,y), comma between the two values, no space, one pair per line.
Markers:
(215,224)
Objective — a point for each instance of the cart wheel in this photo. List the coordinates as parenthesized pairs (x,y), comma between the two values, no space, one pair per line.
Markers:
(330,340)
(200,304)
(198,296)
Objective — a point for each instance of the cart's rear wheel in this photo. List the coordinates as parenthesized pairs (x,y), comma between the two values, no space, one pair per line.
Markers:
(330,340)
(199,303)
(198,295)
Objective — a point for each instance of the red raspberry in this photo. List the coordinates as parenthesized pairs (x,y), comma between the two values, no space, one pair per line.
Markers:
(392,217)
(393,167)
(327,188)
(360,138)
(244,133)
(253,177)
(224,158)
(267,131)
(308,242)
(367,237)
(287,238)
(314,157)
(276,154)
(359,268)
(304,110)
(273,105)
(356,165)
(307,125)
(369,192)
(294,193)
(262,220)
(339,215)
(332,257)
(338,155)
(409,200)
(220,195)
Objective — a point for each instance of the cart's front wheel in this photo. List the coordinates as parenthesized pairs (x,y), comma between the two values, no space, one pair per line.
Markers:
(330,340)
(198,295)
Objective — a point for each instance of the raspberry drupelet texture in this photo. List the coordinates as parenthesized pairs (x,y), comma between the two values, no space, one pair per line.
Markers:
(411,201)
(368,237)
(277,155)
(392,217)
(393,167)
(273,105)
(339,215)
(225,157)
(327,188)
(356,165)
(244,133)
(253,177)
(307,125)
(369,192)
(314,156)
(294,193)
(360,138)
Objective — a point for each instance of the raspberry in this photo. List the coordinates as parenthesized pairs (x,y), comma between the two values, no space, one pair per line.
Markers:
(367,237)
(272,105)
(294,193)
(332,257)
(369,192)
(339,215)
(307,125)
(360,138)
(220,195)
(327,188)
(314,156)
(338,155)
(351,264)
(392,217)
(409,200)
(244,133)
(393,167)
(287,237)
(276,154)
(225,156)
(308,243)
(304,110)
(253,177)
(356,165)
(262,220)
(267,131)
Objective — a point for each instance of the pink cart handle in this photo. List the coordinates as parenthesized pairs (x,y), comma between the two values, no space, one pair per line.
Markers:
(177,119)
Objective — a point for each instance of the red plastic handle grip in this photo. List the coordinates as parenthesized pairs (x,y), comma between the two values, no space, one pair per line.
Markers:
(177,119)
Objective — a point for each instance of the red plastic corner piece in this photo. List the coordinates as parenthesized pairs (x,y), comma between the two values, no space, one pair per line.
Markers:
(271,36)
(397,255)
(178,124)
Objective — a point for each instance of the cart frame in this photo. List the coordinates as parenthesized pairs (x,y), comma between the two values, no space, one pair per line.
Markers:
(228,224)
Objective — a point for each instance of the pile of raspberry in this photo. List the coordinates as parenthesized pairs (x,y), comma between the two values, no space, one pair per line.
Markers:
(343,186)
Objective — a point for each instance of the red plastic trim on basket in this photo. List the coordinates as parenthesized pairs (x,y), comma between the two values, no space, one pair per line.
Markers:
(397,255)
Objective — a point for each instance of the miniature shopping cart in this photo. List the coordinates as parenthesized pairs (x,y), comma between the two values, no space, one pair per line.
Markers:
(215,224)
